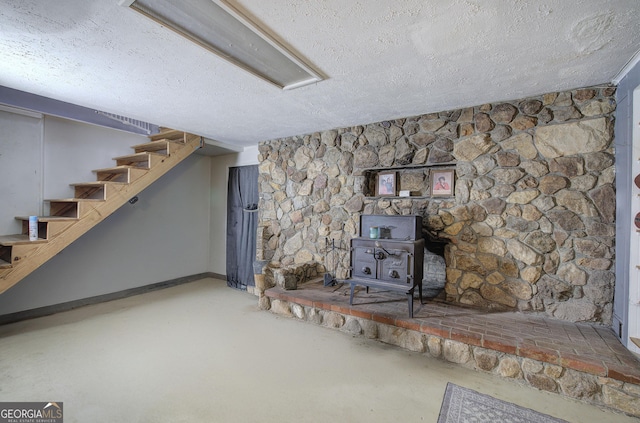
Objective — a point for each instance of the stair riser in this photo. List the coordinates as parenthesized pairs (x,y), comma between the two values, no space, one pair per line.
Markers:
(113,177)
(75,210)
(127,176)
(13,255)
(147,162)
(6,257)
(42,229)
(95,193)
(157,147)
(64,209)
(47,230)
(21,253)
(173,135)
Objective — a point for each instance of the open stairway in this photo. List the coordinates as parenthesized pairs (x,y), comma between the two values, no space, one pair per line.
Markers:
(92,203)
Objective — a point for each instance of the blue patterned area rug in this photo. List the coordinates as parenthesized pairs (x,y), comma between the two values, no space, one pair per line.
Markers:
(462,405)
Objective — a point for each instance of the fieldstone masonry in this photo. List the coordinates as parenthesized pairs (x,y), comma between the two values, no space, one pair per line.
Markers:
(532,223)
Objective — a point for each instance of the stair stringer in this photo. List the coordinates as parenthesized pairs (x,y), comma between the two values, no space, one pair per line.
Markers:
(28,256)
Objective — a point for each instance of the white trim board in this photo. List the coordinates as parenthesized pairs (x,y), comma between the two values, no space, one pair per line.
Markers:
(635,59)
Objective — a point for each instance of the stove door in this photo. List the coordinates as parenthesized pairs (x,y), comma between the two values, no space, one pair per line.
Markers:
(363,262)
(395,267)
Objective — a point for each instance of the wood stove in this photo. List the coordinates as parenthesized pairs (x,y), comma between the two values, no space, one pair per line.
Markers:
(388,255)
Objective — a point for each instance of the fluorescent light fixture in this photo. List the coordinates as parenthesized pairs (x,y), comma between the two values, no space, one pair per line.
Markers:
(224,30)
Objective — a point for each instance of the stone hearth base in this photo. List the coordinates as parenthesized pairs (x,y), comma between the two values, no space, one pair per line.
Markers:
(580,361)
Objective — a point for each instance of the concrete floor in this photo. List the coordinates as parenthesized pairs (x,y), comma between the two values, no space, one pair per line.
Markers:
(202,352)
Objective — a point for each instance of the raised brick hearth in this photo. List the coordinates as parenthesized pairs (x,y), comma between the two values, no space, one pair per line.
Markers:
(583,361)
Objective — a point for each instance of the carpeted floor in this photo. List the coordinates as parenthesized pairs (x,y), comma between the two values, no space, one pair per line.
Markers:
(463,405)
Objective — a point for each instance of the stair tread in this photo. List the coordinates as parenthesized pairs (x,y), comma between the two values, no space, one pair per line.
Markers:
(635,340)
(173,133)
(136,155)
(72,200)
(96,183)
(19,239)
(115,169)
(5,264)
(49,218)
(155,145)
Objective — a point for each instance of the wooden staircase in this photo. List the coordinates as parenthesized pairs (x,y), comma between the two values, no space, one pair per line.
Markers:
(93,202)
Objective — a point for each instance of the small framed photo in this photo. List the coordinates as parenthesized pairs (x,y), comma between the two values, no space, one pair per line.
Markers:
(442,182)
(386,184)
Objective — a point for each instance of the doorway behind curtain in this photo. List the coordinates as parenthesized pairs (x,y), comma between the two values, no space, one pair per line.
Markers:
(242,223)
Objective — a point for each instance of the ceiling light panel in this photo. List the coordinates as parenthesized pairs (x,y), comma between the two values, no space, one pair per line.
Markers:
(224,30)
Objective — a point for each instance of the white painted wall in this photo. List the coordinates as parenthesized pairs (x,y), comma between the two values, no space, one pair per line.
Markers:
(21,140)
(164,236)
(219,179)
(634,250)
(73,149)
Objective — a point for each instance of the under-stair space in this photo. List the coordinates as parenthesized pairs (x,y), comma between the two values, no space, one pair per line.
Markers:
(92,202)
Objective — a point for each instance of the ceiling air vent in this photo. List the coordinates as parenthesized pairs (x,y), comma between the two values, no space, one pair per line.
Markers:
(144,127)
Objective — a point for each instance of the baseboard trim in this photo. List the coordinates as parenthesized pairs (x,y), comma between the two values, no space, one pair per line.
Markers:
(70,305)
(216,276)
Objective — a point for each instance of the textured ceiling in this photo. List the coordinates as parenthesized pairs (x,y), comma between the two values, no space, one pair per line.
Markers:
(384,59)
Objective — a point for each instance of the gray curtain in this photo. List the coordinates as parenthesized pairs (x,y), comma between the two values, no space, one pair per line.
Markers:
(242,223)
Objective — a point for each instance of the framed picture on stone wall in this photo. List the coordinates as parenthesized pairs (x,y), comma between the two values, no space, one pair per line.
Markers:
(442,181)
(386,184)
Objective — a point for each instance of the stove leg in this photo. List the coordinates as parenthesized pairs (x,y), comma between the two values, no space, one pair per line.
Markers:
(353,286)
(420,292)
(410,298)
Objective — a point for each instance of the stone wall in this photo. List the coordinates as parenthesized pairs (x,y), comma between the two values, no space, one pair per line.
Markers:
(532,223)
